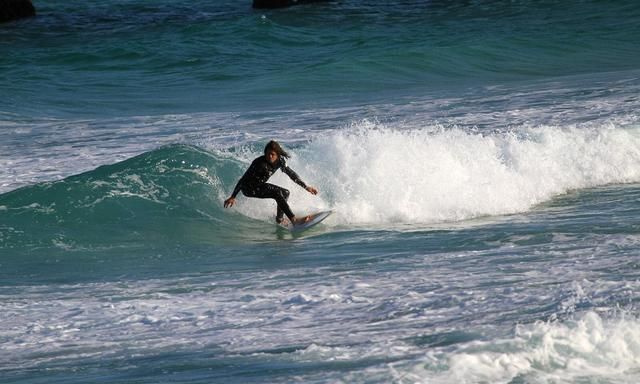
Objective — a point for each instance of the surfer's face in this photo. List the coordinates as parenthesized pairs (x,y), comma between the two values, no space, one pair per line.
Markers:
(272,157)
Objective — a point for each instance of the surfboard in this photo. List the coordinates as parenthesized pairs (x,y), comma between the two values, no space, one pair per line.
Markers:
(315,219)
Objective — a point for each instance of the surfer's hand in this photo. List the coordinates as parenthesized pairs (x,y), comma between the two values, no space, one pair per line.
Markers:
(312,190)
(229,202)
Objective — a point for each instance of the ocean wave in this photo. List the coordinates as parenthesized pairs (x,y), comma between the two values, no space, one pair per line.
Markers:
(369,174)
(141,199)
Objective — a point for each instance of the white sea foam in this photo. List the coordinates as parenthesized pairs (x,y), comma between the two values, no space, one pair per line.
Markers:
(371,173)
(319,317)
(593,347)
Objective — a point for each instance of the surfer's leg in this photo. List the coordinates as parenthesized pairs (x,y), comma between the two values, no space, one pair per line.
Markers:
(270,191)
(281,195)
(280,212)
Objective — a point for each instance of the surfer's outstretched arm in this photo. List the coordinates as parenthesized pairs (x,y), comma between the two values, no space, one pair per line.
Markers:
(241,183)
(232,199)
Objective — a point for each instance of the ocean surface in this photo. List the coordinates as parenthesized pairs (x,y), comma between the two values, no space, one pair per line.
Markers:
(482,159)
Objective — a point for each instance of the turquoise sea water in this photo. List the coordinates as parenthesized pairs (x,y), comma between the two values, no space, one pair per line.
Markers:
(482,159)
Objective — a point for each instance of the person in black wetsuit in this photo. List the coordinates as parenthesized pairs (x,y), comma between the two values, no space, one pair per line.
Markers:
(254,182)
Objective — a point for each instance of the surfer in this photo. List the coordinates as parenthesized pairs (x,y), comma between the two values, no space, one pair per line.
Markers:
(254,182)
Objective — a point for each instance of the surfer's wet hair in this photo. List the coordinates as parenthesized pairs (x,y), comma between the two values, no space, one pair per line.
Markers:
(275,147)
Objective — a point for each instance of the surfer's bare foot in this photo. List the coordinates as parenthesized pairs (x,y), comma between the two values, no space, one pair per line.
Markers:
(302,220)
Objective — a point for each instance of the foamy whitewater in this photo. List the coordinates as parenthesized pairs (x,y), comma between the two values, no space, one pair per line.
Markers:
(482,160)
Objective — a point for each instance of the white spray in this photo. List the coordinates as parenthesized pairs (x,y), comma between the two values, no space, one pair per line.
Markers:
(373,174)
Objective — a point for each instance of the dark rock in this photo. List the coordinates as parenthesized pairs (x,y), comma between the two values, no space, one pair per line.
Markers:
(16,9)
(281,3)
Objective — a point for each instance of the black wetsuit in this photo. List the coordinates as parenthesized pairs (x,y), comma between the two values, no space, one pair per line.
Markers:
(254,184)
